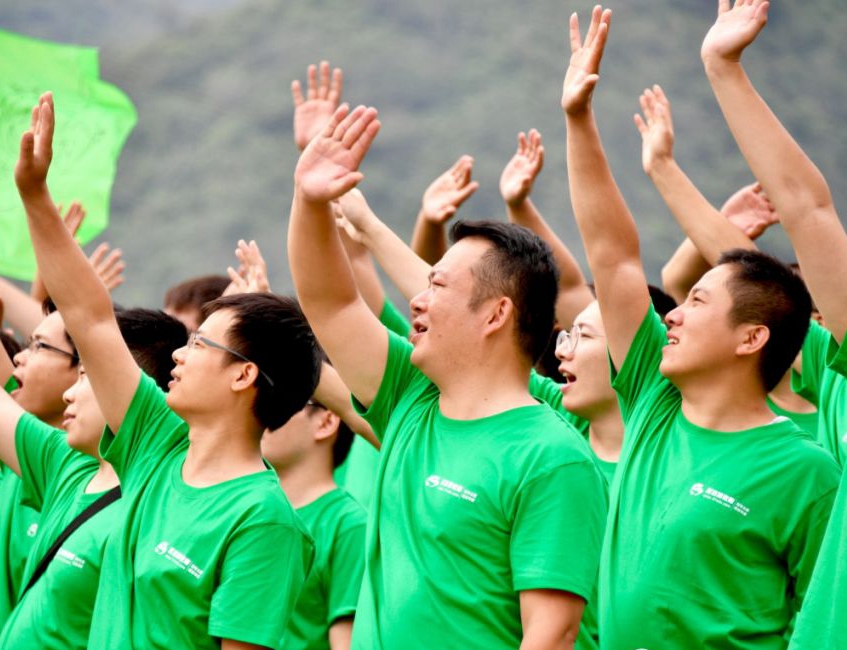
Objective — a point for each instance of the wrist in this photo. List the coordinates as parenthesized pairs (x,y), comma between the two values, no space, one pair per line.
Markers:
(660,165)
(35,192)
(518,203)
(718,66)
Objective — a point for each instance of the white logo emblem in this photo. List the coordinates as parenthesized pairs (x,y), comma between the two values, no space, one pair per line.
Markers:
(162,548)
(179,558)
(32,530)
(696,490)
(721,498)
(450,487)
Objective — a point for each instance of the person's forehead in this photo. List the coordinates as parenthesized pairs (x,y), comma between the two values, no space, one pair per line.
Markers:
(462,255)
(590,317)
(217,324)
(51,328)
(714,279)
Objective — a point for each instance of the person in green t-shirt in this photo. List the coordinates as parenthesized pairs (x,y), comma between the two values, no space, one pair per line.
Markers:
(211,554)
(42,372)
(304,453)
(718,508)
(478,483)
(62,474)
(808,215)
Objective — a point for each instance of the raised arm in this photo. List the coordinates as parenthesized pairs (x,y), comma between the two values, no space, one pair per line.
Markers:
(408,272)
(605,223)
(21,311)
(333,393)
(440,202)
(748,209)
(10,413)
(352,336)
(312,112)
(516,183)
(792,182)
(361,262)
(71,281)
(701,222)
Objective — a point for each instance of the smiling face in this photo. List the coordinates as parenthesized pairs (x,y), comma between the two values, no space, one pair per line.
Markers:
(701,337)
(44,374)
(587,391)
(444,328)
(83,419)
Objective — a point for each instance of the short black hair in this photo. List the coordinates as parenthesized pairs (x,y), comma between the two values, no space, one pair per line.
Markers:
(662,302)
(196,292)
(520,266)
(47,308)
(765,291)
(152,336)
(10,344)
(272,332)
(344,437)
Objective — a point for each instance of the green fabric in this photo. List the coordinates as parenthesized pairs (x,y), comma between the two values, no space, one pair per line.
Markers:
(337,522)
(608,469)
(549,391)
(808,422)
(826,389)
(467,514)
(708,532)
(93,120)
(394,320)
(358,472)
(56,612)
(191,564)
(11,384)
(820,623)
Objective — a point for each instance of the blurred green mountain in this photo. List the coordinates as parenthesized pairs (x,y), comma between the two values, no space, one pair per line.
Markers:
(212,157)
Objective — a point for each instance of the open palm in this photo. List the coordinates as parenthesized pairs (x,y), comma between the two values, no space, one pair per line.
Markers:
(734,29)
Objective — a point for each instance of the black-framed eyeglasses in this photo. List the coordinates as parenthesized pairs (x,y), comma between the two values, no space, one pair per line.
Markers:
(35,345)
(567,340)
(192,343)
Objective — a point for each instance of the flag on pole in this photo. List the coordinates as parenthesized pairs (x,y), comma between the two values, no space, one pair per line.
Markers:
(93,121)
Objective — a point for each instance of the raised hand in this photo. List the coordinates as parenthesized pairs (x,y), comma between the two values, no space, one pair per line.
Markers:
(329,166)
(750,210)
(584,68)
(322,96)
(74,217)
(109,265)
(252,274)
(520,172)
(354,215)
(36,148)
(656,128)
(446,193)
(734,29)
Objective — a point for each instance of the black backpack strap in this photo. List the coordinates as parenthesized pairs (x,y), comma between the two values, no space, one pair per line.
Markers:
(105,500)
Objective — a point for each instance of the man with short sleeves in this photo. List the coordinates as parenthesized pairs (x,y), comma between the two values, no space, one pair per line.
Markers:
(479,484)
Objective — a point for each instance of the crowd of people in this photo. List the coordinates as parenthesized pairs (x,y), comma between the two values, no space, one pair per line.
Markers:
(530,461)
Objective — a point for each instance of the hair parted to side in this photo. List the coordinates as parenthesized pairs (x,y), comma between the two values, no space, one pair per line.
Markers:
(152,336)
(765,291)
(195,292)
(521,267)
(272,332)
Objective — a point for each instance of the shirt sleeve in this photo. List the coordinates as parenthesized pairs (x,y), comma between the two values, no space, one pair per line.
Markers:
(393,320)
(262,575)
(836,357)
(149,430)
(815,348)
(399,376)
(558,530)
(639,373)
(547,390)
(806,541)
(347,566)
(42,454)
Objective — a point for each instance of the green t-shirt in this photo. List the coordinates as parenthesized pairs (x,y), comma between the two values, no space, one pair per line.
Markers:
(712,536)
(56,612)
(808,422)
(192,565)
(358,473)
(467,514)
(826,389)
(337,522)
(18,528)
(820,623)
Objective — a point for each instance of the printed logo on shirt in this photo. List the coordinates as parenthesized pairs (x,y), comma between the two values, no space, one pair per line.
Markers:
(177,557)
(721,498)
(450,487)
(70,558)
(32,530)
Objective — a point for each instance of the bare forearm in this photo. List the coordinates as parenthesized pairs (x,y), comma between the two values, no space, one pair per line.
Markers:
(21,311)
(710,232)
(365,274)
(70,280)
(683,270)
(407,271)
(429,240)
(333,393)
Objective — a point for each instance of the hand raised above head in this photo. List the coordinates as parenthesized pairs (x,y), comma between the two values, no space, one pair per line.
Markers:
(520,172)
(584,67)
(36,148)
(734,29)
(322,97)
(446,193)
(656,127)
(329,166)
(750,211)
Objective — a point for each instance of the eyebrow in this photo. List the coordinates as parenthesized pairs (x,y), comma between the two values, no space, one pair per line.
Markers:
(699,290)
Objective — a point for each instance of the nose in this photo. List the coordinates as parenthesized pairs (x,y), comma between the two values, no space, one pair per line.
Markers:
(674,317)
(417,304)
(20,358)
(178,355)
(69,395)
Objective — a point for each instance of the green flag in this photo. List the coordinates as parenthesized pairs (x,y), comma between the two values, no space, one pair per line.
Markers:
(93,120)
